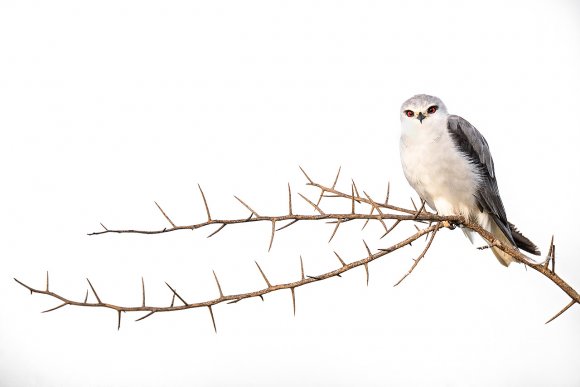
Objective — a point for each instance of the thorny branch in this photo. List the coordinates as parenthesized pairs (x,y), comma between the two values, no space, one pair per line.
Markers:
(379,212)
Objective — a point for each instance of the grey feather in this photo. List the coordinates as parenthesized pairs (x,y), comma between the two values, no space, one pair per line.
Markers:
(473,145)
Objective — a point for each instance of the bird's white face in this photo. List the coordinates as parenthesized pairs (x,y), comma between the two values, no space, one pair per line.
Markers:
(423,113)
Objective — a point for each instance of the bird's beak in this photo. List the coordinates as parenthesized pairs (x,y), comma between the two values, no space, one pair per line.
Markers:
(420,117)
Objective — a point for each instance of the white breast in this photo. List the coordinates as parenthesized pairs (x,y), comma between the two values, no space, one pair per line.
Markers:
(440,174)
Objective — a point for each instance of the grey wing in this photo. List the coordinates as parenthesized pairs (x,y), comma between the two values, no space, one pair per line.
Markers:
(470,142)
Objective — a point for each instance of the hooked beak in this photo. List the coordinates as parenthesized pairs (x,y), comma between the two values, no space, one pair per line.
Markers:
(421,117)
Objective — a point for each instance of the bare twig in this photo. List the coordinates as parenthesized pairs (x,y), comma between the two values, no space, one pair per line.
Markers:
(418,259)
(379,211)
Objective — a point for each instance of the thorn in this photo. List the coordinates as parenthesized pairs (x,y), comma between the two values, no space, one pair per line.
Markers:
(165,215)
(553,258)
(218,284)
(55,308)
(289,200)
(144,317)
(177,295)
(315,277)
(263,275)
(205,203)
(372,203)
(262,297)
(102,225)
(312,204)
(216,231)
(94,292)
(248,207)
(355,189)
(366,263)
(301,267)
(118,320)
(562,311)
(391,229)
(352,211)
(414,206)
(550,252)
(335,229)
(333,186)
(47,281)
(336,178)
(339,259)
(420,209)
(483,247)
(368,250)
(388,193)
(429,225)
(307,177)
(172,300)
(86,296)
(368,220)
(418,259)
(212,318)
(293,301)
(287,225)
(367,271)
(272,236)
(143,291)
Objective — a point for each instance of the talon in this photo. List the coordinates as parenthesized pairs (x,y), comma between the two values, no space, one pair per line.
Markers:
(449,225)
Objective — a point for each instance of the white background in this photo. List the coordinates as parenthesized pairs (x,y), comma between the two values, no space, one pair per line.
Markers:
(107,106)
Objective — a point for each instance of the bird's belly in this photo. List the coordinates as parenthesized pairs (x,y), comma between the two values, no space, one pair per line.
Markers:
(442,176)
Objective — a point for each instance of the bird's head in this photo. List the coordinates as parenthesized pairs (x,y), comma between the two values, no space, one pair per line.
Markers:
(423,112)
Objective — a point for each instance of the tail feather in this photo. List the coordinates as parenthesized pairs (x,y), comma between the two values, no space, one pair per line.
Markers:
(503,257)
(522,242)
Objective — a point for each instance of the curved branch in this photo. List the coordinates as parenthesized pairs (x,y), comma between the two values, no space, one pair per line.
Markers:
(238,297)
(402,215)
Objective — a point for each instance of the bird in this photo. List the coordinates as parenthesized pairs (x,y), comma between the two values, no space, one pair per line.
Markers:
(447,161)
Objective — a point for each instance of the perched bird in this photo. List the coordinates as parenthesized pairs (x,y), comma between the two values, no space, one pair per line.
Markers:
(448,162)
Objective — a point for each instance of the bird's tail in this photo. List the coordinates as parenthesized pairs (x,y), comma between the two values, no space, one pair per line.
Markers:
(503,257)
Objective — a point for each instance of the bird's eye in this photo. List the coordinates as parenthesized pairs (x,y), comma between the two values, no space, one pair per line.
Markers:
(409,113)
(432,109)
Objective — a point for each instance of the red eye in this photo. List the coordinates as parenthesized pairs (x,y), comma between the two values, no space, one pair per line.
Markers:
(409,113)
(432,109)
